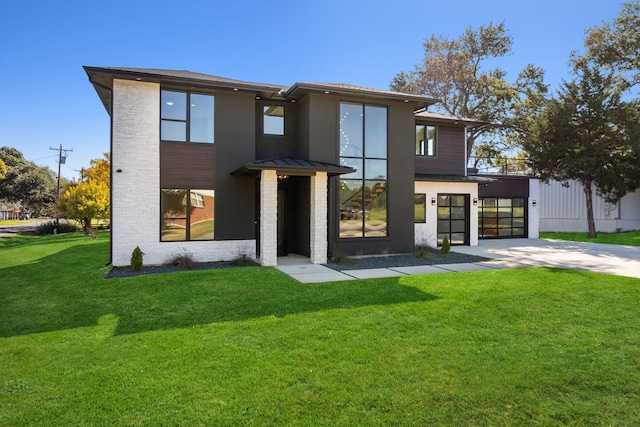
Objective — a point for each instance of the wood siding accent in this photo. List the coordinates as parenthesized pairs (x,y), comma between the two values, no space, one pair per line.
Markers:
(187,165)
(450,155)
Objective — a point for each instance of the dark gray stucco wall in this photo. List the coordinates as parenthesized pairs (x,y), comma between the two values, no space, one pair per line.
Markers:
(235,135)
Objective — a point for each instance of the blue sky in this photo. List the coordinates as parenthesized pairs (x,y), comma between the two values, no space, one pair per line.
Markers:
(47,99)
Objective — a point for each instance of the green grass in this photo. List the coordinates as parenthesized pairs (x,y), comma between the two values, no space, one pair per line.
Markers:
(250,346)
(628,238)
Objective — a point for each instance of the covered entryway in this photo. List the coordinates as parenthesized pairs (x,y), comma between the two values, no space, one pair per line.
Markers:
(292,207)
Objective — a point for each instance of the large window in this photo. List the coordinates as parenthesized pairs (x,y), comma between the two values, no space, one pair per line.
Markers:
(501,217)
(187,214)
(186,116)
(363,193)
(273,120)
(425,140)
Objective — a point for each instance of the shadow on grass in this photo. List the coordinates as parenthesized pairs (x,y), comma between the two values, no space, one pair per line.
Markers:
(67,290)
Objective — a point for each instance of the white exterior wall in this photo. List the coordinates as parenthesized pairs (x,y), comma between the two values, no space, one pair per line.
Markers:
(427,233)
(533,220)
(136,189)
(564,209)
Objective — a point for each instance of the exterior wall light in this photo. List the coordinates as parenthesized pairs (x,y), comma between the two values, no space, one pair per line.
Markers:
(475,201)
(534,203)
(433,201)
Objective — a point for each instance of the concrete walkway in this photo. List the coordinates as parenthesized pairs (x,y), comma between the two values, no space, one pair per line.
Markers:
(506,253)
(301,269)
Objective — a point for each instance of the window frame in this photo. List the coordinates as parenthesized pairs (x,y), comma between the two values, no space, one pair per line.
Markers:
(264,108)
(424,208)
(361,213)
(188,207)
(188,119)
(425,145)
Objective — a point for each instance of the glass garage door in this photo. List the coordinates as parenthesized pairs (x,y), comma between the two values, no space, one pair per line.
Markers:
(502,217)
(453,218)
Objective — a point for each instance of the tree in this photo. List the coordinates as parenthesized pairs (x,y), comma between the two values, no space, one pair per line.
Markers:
(25,182)
(3,169)
(452,71)
(90,198)
(589,135)
(616,46)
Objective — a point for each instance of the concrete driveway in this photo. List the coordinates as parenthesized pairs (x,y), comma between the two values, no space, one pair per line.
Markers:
(610,259)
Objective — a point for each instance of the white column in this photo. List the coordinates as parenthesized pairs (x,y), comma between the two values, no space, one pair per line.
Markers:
(269,218)
(318,218)
(534,211)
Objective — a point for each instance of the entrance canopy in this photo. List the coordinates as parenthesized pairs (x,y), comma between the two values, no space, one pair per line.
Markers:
(293,167)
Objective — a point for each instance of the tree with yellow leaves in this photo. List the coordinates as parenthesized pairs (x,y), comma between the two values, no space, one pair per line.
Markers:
(90,198)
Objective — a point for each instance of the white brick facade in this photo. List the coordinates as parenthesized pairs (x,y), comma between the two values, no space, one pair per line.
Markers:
(268,218)
(318,220)
(136,188)
(427,233)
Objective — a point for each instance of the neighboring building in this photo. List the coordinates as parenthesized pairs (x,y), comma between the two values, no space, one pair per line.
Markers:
(563,209)
(217,168)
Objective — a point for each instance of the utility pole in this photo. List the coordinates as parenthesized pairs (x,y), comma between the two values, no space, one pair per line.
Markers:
(61,160)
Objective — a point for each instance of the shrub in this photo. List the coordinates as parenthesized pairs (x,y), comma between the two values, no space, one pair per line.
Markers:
(243,261)
(422,251)
(446,247)
(184,261)
(340,258)
(49,227)
(136,259)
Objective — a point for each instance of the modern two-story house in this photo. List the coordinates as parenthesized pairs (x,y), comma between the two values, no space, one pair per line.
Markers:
(218,168)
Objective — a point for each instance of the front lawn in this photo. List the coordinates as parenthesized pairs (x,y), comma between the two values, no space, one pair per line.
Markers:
(250,346)
(628,238)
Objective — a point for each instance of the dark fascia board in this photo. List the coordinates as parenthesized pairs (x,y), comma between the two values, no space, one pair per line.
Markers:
(102,80)
(299,90)
(454,178)
(425,117)
(293,167)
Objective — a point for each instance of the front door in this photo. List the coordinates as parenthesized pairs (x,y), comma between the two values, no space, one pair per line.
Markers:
(453,218)
(282,212)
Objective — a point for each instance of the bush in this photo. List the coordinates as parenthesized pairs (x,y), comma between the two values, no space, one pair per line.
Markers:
(136,259)
(340,258)
(49,227)
(422,251)
(446,247)
(183,261)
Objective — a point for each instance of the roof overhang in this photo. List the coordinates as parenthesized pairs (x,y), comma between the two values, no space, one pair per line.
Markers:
(299,90)
(454,178)
(102,80)
(292,167)
(429,117)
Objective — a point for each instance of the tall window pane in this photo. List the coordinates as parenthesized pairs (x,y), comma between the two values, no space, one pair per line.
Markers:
(420,129)
(375,210)
(201,126)
(201,215)
(351,132)
(351,209)
(375,132)
(174,215)
(420,208)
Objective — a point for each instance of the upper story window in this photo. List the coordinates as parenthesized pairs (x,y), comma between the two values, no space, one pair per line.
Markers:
(186,116)
(426,140)
(273,120)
